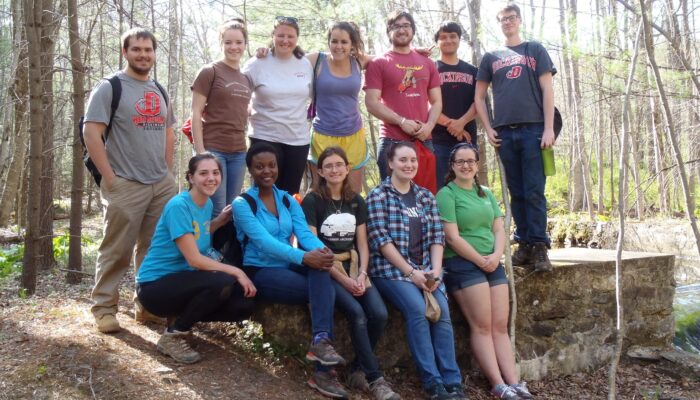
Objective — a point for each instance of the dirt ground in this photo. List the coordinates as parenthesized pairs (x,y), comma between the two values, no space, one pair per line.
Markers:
(49,349)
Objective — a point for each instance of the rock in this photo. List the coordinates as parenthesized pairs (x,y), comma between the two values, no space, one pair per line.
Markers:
(645,353)
(565,319)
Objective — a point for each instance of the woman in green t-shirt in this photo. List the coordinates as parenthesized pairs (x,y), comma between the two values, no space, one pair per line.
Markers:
(474,275)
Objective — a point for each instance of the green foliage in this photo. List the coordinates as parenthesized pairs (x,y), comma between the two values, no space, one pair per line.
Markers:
(11,260)
(61,244)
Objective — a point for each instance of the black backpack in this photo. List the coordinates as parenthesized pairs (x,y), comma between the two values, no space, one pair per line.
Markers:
(116,96)
(225,240)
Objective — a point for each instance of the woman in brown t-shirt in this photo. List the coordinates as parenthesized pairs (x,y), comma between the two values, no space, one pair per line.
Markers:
(220,97)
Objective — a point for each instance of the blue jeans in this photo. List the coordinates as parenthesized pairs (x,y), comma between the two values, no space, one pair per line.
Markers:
(442,162)
(232,174)
(522,159)
(298,285)
(432,345)
(367,317)
(382,149)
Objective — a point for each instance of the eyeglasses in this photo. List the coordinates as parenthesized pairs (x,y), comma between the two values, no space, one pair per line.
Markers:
(286,20)
(510,18)
(460,163)
(396,27)
(331,167)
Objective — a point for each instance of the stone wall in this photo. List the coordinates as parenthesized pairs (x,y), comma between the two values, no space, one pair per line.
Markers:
(565,319)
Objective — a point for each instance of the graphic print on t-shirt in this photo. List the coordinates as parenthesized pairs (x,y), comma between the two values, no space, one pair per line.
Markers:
(338,227)
(456,77)
(516,62)
(149,110)
(239,90)
(409,80)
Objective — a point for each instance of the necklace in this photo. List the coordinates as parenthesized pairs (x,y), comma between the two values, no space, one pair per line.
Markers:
(337,209)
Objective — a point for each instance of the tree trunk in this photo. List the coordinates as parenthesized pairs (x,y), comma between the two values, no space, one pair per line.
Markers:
(474,23)
(49,33)
(622,205)
(19,91)
(32,257)
(670,126)
(75,257)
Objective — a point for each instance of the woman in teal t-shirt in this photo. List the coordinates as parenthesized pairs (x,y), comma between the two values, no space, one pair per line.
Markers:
(474,275)
(181,277)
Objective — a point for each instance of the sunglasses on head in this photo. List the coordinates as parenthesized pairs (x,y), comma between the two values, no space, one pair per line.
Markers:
(286,20)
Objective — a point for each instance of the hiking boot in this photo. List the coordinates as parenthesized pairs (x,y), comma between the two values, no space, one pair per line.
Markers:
(437,391)
(382,391)
(357,381)
(503,391)
(542,263)
(173,344)
(107,323)
(521,390)
(455,390)
(141,315)
(523,255)
(324,353)
(327,383)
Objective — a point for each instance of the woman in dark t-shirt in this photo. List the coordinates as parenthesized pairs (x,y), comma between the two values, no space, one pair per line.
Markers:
(220,97)
(338,216)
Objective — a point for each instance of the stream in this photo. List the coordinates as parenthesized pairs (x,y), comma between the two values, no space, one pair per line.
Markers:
(686,308)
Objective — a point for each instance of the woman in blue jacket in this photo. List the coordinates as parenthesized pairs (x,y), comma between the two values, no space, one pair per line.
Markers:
(281,272)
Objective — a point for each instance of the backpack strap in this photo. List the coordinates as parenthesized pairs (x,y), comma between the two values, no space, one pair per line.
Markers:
(162,91)
(116,97)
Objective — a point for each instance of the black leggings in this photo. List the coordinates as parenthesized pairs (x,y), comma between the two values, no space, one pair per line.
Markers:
(291,163)
(194,296)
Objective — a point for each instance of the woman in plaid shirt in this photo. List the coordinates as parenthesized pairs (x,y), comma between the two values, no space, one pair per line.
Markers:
(406,241)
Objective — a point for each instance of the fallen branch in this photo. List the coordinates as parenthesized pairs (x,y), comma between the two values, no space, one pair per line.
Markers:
(75,271)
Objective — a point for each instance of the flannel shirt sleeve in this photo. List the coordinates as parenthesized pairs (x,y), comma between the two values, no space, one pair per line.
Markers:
(377,220)
(435,232)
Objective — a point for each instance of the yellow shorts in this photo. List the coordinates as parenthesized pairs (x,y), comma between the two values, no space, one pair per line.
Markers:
(355,147)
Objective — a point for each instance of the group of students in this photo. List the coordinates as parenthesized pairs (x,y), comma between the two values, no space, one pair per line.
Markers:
(349,253)
(333,249)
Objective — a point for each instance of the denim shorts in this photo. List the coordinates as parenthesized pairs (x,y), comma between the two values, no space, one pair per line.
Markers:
(461,273)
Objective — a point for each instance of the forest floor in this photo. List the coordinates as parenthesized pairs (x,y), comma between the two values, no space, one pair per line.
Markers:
(49,349)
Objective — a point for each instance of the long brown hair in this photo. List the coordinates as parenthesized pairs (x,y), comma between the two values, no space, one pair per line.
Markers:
(451,174)
(321,187)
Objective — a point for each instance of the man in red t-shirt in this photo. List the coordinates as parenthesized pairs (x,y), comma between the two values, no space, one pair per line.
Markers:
(402,88)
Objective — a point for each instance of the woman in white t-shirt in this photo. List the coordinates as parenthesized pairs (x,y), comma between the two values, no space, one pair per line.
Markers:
(281,92)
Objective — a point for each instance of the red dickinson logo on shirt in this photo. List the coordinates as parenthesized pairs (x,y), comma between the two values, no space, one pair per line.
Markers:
(149,106)
(149,113)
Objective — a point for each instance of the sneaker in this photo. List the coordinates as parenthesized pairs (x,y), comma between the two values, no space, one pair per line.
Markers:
(503,391)
(357,381)
(381,390)
(173,344)
(539,253)
(521,390)
(437,391)
(324,353)
(141,315)
(523,255)
(327,384)
(107,323)
(455,390)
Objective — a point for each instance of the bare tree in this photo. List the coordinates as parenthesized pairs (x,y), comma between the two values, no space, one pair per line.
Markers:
(32,257)
(75,257)
(18,93)
(622,205)
(669,122)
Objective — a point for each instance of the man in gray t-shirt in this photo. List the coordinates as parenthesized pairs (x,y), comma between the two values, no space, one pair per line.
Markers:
(135,165)
(523,124)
